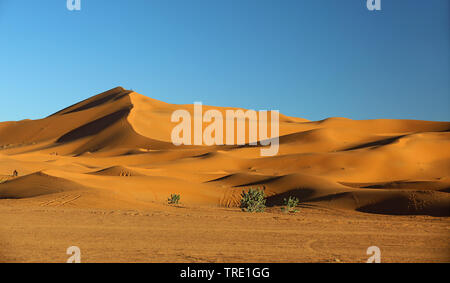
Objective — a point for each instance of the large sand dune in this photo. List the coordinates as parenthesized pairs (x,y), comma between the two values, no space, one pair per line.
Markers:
(120,142)
(98,174)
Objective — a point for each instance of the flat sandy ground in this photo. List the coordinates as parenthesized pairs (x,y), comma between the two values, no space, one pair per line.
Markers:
(194,234)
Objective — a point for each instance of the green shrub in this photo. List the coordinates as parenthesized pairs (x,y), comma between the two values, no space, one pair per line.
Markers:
(253,200)
(174,199)
(290,205)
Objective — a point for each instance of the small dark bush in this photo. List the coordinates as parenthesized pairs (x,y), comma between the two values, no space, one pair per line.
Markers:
(174,199)
(290,205)
(253,200)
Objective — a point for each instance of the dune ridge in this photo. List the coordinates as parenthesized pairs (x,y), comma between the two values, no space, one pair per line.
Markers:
(117,144)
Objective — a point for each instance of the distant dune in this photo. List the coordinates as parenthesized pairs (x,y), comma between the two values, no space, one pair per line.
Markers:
(114,150)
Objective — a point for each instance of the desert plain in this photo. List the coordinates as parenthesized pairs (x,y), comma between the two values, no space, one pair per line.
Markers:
(97,175)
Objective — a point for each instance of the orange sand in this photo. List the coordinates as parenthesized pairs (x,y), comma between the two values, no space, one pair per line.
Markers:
(113,152)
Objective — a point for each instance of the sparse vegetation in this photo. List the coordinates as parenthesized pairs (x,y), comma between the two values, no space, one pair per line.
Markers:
(174,199)
(253,201)
(290,205)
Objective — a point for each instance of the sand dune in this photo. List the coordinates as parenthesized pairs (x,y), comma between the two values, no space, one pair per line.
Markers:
(118,143)
(34,185)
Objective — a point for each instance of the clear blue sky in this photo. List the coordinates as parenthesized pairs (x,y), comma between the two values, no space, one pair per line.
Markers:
(306,58)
